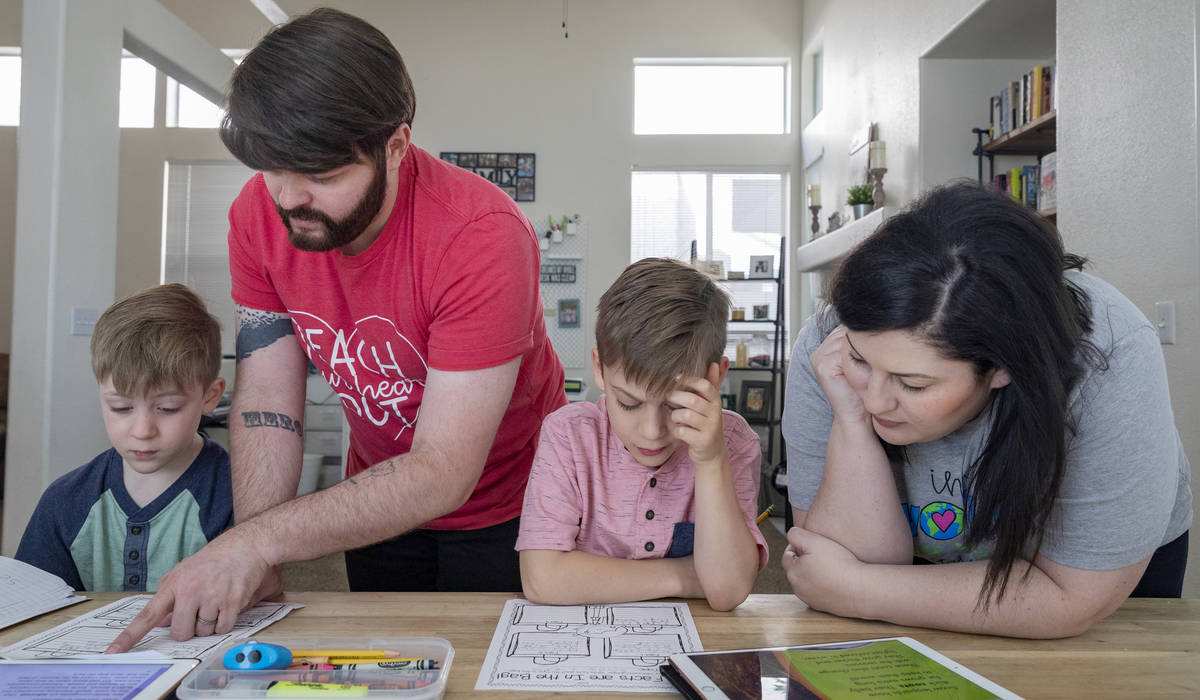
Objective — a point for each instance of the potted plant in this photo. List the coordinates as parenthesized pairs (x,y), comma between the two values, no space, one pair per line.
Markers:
(861,199)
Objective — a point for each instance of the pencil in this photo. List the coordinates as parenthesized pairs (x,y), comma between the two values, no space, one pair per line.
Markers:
(347,653)
(765,514)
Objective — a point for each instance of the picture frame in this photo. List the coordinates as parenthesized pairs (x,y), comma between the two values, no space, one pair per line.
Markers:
(513,173)
(568,313)
(754,399)
(762,266)
(762,312)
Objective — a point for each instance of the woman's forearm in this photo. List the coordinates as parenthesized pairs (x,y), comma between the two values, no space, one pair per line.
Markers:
(857,504)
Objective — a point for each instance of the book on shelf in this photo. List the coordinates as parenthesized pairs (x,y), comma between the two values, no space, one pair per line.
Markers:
(1022,101)
(994,117)
(1030,183)
(1047,193)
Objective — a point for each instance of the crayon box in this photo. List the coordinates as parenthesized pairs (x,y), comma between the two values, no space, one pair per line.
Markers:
(211,679)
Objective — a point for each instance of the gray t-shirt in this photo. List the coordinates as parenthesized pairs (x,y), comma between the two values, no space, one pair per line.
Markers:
(1125,489)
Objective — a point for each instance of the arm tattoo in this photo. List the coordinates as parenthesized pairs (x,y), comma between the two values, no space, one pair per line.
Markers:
(267,419)
(381,469)
(258,329)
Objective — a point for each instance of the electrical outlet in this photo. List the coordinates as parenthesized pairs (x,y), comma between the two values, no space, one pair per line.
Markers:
(83,320)
(1164,312)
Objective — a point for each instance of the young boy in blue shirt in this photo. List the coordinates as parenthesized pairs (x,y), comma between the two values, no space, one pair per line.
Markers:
(651,491)
(163,490)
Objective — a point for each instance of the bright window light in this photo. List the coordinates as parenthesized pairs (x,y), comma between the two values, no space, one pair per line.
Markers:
(709,98)
(137,93)
(186,109)
(10,86)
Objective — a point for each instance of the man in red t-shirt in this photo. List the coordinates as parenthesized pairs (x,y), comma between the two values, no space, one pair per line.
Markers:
(412,286)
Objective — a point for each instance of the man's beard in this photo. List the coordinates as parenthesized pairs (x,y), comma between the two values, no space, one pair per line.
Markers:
(337,233)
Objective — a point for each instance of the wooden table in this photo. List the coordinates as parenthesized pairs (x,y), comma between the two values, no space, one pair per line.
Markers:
(1148,648)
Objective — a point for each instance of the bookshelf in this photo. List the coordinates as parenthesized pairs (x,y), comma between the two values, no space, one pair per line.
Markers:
(1035,138)
(996,42)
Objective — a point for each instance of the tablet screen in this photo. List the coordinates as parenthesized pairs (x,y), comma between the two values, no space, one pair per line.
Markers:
(91,679)
(866,668)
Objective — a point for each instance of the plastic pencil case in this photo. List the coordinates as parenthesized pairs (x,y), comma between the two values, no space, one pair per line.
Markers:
(212,680)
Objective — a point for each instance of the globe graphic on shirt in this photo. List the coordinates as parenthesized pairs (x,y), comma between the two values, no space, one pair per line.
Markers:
(941,520)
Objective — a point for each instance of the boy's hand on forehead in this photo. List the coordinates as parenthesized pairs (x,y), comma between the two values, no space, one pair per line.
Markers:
(696,416)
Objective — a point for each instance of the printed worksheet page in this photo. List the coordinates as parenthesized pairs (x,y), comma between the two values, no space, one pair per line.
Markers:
(614,647)
(27,591)
(92,632)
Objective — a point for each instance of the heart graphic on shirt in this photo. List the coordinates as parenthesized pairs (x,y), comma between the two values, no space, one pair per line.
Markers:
(944,519)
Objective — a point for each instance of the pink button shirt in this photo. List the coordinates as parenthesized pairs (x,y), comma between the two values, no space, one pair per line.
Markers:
(587,493)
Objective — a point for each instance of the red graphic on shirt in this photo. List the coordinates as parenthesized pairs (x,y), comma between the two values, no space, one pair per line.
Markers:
(368,366)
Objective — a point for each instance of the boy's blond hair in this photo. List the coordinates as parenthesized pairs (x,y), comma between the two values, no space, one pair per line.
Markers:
(659,320)
(159,337)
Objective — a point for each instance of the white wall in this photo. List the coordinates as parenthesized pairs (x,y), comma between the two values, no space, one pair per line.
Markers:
(489,76)
(1127,174)
(1127,144)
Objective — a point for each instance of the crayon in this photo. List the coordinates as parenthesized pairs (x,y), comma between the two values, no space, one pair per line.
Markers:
(348,653)
(384,666)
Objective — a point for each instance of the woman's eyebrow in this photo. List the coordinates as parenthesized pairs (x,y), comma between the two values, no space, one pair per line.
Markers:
(902,375)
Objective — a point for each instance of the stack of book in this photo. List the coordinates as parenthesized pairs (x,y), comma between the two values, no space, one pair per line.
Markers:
(1031,185)
(1022,101)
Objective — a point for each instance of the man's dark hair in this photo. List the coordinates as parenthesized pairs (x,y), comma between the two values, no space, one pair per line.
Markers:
(322,91)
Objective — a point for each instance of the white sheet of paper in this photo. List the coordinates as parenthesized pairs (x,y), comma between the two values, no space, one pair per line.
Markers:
(92,632)
(26,591)
(612,647)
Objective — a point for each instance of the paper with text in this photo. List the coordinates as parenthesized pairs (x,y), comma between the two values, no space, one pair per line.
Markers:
(91,633)
(26,591)
(612,647)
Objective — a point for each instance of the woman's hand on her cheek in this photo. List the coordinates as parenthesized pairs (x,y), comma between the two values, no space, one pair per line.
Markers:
(830,363)
(822,572)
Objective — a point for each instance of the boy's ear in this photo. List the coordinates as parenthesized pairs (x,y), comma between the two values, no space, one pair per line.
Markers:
(717,371)
(212,396)
(597,370)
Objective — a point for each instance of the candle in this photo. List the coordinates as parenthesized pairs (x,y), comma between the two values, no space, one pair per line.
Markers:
(814,195)
(877,157)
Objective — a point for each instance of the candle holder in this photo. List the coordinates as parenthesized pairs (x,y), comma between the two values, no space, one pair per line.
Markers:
(877,179)
(816,224)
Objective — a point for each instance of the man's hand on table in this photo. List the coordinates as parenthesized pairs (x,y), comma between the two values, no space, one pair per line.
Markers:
(204,593)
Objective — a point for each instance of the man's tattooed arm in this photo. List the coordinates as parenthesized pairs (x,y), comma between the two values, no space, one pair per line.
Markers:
(257,329)
(267,419)
(381,469)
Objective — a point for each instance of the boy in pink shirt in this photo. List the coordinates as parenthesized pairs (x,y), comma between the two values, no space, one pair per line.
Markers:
(651,491)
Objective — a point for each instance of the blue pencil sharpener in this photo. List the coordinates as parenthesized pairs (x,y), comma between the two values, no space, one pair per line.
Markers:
(257,656)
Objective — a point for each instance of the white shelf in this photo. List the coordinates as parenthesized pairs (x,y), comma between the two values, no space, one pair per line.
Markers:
(825,251)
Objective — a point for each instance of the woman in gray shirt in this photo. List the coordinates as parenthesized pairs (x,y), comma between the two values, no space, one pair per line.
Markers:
(972,399)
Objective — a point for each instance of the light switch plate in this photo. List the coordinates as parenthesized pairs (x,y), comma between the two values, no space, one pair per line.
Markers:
(83,320)
(1164,312)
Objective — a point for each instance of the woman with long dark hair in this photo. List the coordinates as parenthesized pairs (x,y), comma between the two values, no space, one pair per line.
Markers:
(970,398)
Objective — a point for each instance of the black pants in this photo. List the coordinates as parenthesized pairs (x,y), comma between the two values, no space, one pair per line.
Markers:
(1163,577)
(440,560)
(1164,574)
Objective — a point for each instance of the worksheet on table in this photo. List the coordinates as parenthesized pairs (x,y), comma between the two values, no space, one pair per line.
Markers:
(92,632)
(616,647)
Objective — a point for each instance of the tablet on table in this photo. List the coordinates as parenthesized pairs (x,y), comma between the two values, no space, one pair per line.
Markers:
(98,679)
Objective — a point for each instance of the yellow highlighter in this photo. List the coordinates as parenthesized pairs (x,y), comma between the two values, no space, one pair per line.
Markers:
(291,689)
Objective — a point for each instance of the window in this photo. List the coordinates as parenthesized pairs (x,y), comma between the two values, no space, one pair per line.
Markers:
(197,195)
(710,96)
(136,92)
(10,85)
(818,87)
(188,110)
(729,215)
